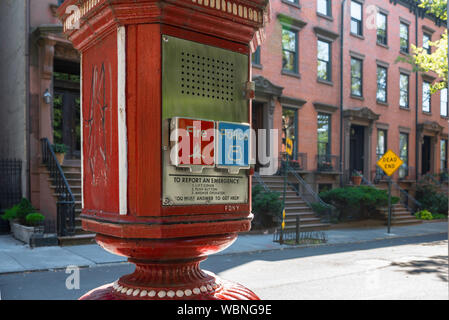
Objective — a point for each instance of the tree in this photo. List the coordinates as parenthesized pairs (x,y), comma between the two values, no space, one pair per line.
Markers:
(437,61)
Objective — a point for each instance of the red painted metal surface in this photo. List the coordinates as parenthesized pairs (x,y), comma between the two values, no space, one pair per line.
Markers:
(169,269)
(165,243)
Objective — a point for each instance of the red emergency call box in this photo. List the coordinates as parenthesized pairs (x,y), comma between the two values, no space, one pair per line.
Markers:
(158,76)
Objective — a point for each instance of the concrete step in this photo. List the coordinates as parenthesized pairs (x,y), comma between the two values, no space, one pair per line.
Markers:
(298,209)
(71,182)
(77,239)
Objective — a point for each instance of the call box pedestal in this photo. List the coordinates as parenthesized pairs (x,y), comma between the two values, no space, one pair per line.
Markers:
(148,66)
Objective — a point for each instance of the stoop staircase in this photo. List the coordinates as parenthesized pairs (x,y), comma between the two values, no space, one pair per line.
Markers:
(294,206)
(400,215)
(72,172)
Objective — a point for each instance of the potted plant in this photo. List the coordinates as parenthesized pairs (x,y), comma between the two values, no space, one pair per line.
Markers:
(59,149)
(356,178)
(24,220)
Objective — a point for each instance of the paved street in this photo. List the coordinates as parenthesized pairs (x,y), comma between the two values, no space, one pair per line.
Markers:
(399,268)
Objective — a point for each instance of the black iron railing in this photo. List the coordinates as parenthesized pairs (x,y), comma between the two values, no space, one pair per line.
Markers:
(408,201)
(66,200)
(297,162)
(10,183)
(261,182)
(313,200)
(327,163)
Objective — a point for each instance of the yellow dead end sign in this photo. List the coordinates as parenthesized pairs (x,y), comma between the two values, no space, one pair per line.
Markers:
(390,162)
(289,146)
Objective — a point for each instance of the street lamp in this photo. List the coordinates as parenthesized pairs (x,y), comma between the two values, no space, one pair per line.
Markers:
(47,97)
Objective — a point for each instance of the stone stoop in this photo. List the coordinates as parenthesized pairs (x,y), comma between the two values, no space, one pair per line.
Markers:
(294,206)
(399,215)
(72,172)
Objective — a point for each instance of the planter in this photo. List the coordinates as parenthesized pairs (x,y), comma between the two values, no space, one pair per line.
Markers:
(60,157)
(356,180)
(24,233)
(4,226)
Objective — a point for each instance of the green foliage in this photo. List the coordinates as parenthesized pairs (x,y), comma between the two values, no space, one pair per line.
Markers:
(59,148)
(439,216)
(431,199)
(19,211)
(319,207)
(357,202)
(424,215)
(437,60)
(267,207)
(34,219)
(436,7)
(11,213)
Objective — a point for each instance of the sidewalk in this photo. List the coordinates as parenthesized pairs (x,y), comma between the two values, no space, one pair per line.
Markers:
(17,257)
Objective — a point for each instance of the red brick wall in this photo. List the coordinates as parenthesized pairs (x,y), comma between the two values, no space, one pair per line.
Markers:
(308,88)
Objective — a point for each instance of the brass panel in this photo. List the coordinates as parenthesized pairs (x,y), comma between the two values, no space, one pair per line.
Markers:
(201,81)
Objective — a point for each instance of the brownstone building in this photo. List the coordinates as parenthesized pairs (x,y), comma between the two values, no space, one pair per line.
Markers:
(336,89)
(328,76)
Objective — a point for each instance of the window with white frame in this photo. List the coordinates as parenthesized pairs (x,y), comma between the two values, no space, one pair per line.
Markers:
(443,102)
(426,96)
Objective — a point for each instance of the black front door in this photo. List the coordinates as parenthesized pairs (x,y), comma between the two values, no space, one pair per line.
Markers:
(425,154)
(357,148)
(66,121)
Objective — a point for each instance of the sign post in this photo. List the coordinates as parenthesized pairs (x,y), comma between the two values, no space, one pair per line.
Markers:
(288,153)
(389,163)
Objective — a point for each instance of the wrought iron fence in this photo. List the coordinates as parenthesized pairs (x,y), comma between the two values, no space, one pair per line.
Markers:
(66,200)
(10,183)
(327,163)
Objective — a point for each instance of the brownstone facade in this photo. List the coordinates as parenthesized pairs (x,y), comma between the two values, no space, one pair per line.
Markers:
(343,112)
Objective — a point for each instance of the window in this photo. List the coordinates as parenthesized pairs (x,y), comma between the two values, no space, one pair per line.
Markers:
(324,60)
(381,28)
(381,94)
(403,154)
(403,33)
(324,7)
(425,96)
(289,50)
(443,155)
(356,77)
(255,58)
(381,148)
(425,43)
(356,18)
(403,91)
(443,102)
(324,123)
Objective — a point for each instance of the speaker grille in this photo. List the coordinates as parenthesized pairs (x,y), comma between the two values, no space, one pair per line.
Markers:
(207,77)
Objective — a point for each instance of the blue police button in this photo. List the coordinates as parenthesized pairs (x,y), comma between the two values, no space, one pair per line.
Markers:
(233,147)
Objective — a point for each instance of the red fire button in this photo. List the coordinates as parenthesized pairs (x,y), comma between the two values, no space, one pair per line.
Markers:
(193,142)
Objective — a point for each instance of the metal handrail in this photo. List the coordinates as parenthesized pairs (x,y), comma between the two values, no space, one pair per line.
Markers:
(66,200)
(261,182)
(431,177)
(309,196)
(409,197)
(402,191)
